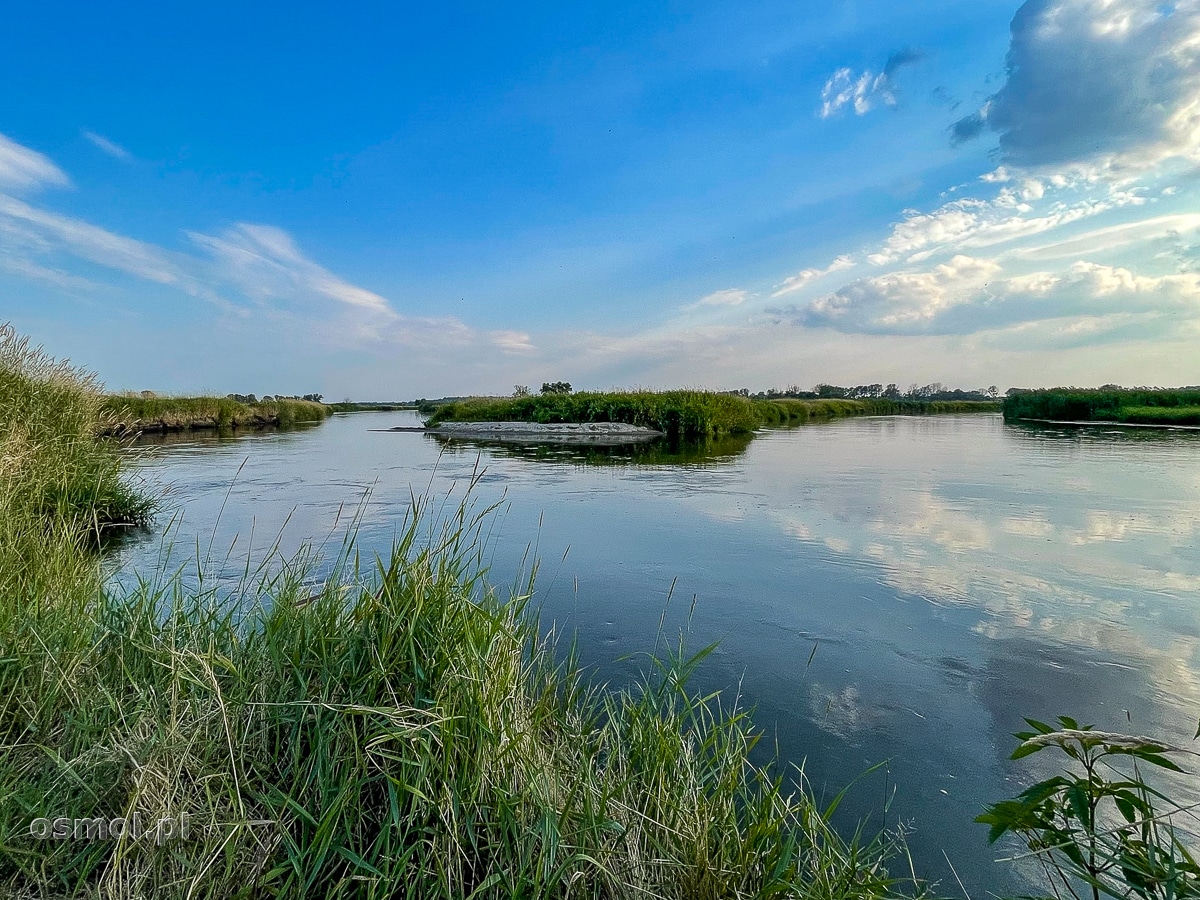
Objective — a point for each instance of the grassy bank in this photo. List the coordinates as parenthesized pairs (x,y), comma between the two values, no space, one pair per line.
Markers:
(350,406)
(59,482)
(788,411)
(688,414)
(1135,406)
(127,413)
(399,729)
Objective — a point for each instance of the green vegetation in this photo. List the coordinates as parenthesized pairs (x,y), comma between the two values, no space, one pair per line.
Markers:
(1099,829)
(1148,406)
(135,412)
(401,729)
(350,406)
(60,484)
(790,411)
(686,414)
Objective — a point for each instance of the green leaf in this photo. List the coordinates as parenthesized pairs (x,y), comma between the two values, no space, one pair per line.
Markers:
(1155,759)
(1024,750)
(1040,727)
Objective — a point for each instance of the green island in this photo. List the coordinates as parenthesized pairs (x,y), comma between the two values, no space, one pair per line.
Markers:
(129,413)
(1131,406)
(396,725)
(684,413)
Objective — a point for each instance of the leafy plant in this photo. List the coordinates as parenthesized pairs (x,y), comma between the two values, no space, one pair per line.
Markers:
(1095,828)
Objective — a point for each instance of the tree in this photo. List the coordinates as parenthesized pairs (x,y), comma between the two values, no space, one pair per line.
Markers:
(556,387)
(521,390)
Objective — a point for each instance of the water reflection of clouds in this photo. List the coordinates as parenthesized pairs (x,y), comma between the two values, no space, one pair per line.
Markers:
(1096,553)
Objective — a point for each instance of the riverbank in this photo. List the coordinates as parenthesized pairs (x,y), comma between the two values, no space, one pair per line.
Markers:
(1132,406)
(681,414)
(123,414)
(350,729)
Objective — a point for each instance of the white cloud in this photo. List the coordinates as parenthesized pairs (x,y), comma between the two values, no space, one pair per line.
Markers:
(862,91)
(728,297)
(1110,85)
(969,295)
(37,228)
(22,168)
(112,149)
(265,264)
(805,277)
(512,341)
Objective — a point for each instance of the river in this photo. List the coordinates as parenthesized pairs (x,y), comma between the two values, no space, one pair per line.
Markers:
(953,574)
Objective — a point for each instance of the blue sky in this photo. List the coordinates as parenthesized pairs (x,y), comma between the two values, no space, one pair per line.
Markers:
(389,201)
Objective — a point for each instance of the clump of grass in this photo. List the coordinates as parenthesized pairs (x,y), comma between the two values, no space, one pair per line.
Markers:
(683,413)
(404,730)
(58,477)
(794,410)
(1138,405)
(686,414)
(133,412)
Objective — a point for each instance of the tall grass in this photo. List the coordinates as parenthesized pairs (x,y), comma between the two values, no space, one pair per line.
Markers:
(683,413)
(61,487)
(132,412)
(687,414)
(359,728)
(1137,405)
(403,731)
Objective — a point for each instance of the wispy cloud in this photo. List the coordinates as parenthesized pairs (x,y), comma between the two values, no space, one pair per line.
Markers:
(265,264)
(727,297)
(22,168)
(805,277)
(112,149)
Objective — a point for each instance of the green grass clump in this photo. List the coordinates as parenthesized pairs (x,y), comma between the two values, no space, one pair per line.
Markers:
(404,730)
(133,412)
(60,482)
(1136,405)
(792,410)
(682,413)
(1162,415)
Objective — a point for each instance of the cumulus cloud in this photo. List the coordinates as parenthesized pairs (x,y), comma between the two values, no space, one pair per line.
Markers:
(1108,83)
(22,168)
(862,91)
(105,145)
(968,294)
(805,277)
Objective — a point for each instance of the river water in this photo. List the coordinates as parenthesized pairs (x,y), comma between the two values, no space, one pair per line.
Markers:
(953,574)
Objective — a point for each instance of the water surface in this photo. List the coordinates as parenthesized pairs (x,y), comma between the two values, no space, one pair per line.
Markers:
(953,573)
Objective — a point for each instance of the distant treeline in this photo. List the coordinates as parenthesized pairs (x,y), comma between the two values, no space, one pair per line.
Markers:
(686,414)
(1142,406)
(351,406)
(125,413)
(924,393)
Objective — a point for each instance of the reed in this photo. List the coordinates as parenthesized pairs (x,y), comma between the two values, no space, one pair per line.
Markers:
(682,413)
(128,413)
(1133,405)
